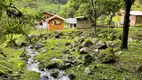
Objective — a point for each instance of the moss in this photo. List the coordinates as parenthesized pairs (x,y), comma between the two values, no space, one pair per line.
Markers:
(99,72)
(5,67)
(107,56)
(30,75)
(131,59)
(54,51)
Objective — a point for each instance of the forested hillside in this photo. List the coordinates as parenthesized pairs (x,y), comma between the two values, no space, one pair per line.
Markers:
(37,6)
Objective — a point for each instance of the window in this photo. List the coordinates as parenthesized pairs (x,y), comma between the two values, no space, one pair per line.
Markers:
(56,22)
(40,23)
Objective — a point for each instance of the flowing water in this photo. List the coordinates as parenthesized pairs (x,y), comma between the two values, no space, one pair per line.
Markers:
(32,65)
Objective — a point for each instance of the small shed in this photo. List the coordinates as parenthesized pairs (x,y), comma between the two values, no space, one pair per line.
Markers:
(135,17)
(71,22)
(83,22)
(55,23)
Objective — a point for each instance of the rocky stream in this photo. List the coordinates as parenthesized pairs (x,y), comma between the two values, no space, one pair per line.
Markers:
(45,74)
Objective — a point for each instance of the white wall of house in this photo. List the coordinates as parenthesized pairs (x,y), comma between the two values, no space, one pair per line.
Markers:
(43,26)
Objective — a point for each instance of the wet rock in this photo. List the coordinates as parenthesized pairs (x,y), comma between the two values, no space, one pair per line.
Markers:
(81,39)
(88,71)
(65,51)
(118,53)
(31,47)
(96,50)
(83,50)
(107,56)
(52,65)
(139,69)
(43,50)
(54,73)
(57,36)
(52,48)
(130,39)
(67,43)
(111,44)
(101,45)
(30,36)
(23,44)
(95,40)
(79,33)
(44,77)
(72,76)
(24,56)
(54,60)
(41,35)
(74,44)
(65,65)
(88,59)
(46,36)
(56,44)
(38,45)
(87,43)
(73,50)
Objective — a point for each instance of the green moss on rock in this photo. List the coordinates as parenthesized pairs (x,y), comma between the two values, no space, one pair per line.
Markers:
(107,56)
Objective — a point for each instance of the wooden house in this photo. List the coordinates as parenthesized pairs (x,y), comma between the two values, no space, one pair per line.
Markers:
(55,23)
(135,17)
(47,15)
(51,22)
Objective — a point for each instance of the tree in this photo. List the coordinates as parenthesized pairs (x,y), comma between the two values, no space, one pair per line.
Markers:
(1,7)
(111,10)
(128,4)
(92,9)
(15,22)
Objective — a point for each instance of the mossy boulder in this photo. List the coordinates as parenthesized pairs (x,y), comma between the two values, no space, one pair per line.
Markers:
(24,56)
(72,76)
(101,45)
(83,50)
(87,43)
(52,65)
(88,59)
(107,56)
(54,73)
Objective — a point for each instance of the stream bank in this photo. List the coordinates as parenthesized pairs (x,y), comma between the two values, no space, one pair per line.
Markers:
(32,65)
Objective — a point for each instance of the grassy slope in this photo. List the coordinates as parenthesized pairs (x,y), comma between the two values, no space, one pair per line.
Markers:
(128,65)
(125,68)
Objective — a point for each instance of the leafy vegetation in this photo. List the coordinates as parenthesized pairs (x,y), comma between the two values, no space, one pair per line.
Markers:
(78,52)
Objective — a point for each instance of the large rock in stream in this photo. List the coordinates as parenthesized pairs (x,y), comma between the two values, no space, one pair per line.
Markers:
(39,45)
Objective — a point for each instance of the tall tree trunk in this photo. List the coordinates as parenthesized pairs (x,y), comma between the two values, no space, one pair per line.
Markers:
(109,22)
(94,25)
(124,44)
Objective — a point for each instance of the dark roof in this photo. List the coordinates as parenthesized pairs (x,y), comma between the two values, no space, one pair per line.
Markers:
(48,13)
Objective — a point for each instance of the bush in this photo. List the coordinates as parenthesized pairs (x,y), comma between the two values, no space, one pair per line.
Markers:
(138,25)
